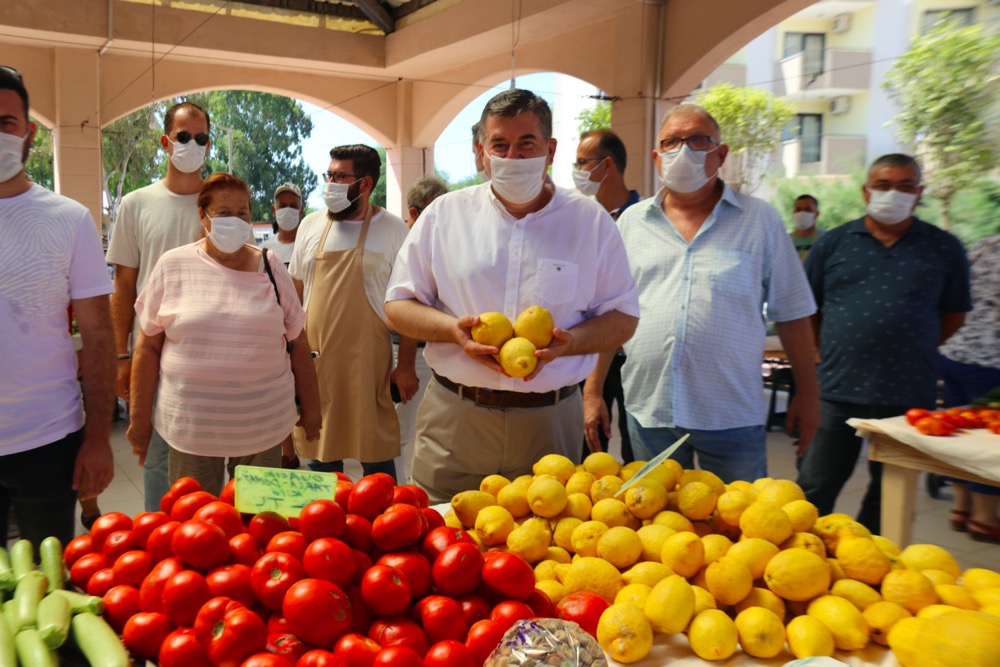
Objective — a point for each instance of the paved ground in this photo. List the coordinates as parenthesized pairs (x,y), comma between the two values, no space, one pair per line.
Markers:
(931,523)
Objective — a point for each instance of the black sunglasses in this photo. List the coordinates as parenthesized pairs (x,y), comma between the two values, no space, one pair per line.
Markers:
(13,72)
(184,136)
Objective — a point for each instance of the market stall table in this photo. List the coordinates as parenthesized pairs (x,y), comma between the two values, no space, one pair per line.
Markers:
(972,455)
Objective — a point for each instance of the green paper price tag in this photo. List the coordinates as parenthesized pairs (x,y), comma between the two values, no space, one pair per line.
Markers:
(279,490)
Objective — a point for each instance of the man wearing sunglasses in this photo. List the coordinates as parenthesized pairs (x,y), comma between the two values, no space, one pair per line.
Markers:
(707,260)
(149,222)
(53,447)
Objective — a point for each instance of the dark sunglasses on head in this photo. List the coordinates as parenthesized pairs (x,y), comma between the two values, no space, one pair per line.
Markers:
(184,136)
(13,72)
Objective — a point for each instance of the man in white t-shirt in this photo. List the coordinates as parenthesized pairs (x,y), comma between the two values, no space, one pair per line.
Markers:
(510,243)
(340,265)
(149,222)
(287,211)
(50,261)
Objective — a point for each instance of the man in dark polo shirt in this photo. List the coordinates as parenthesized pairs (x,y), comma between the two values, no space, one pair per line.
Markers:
(889,288)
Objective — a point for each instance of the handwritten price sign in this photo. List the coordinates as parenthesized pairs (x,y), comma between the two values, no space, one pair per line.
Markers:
(279,490)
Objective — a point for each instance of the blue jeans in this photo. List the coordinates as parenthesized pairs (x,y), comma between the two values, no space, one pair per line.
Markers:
(154,472)
(830,460)
(732,454)
(388,467)
(38,485)
(964,383)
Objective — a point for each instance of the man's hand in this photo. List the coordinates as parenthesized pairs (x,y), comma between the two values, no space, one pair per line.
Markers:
(803,415)
(311,424)
(481,353)
(124,374)
(94,468)
(139,435)
(595,420)
(561,341)
(406,382)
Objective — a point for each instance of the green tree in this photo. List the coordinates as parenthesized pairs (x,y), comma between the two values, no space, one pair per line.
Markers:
(945,86)
(839,201)
(266,132)
(131,154)
(597,117)
(751,120)
(39,164)
(378,194)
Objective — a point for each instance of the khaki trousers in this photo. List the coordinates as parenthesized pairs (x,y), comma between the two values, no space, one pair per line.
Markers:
(459,443)
(210,470)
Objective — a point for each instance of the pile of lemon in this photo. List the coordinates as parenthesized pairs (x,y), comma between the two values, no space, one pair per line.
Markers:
(746,565)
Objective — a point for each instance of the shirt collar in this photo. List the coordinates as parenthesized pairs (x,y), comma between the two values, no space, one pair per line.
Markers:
(728,195)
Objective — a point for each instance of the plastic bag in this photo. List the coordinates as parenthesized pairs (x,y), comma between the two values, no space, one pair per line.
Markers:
(547,641)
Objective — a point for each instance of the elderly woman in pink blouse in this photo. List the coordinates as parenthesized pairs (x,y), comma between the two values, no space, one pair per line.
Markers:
(222,349)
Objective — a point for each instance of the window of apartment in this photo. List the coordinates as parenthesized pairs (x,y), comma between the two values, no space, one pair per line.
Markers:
(963,17)
(811,45)
(807,128)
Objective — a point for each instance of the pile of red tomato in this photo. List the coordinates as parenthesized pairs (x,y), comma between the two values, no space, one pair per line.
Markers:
(946,422)
(382,582)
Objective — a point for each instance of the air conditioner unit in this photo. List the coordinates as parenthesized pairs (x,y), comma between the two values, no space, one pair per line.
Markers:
(841,23)
(840,105)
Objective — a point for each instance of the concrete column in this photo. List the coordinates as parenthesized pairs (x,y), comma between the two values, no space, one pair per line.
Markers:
(76,138)
(406,162)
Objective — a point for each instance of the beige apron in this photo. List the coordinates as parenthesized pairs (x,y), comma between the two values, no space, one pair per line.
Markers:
(359,420)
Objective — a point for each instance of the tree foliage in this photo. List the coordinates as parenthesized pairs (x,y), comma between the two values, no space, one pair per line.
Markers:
(131,154)
(597,117)
(945,87)
(267,132)
(751,120)
(39,164)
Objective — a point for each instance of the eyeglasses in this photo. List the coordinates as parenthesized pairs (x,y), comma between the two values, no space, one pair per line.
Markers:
(184,136)
(338,177)
(584,160)
(697,142)
(908,187)
(13,72)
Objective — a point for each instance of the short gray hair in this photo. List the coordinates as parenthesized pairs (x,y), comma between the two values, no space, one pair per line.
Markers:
(692,110)
(424,191)
(898,160)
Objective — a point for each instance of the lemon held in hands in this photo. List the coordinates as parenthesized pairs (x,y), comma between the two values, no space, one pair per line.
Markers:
(535,324)
(517,357)
(494,329)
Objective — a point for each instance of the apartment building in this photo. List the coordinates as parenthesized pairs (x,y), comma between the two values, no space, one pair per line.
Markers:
(829,61)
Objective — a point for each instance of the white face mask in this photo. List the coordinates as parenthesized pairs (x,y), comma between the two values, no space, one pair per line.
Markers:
(335,195)
(583,183)
(188,158)
(483,176)
(804,220)
(517,181)
(11,155)
(228,234)
(683,170)
(890,207)
(287,218)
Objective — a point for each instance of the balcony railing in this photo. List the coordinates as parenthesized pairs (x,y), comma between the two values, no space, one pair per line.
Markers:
(844,71)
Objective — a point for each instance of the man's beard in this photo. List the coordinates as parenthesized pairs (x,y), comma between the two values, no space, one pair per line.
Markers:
(354,194)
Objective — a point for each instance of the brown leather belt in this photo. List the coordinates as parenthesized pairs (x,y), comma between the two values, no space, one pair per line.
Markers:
(496,398)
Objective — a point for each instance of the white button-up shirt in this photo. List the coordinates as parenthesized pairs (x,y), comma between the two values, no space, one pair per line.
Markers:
(695,358)
(467,255)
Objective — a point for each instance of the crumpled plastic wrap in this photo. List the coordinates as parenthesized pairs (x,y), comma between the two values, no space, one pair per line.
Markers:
(547,641)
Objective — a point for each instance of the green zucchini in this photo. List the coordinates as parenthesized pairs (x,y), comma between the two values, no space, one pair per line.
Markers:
(10,616)
(32,651)
(6,574)
(29,592)
(98,642)
(51,554)
(53,620)
(22,559)
(8,654)
(80,603)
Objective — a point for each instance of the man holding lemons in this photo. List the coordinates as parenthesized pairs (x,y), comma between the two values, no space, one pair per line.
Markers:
(502,247)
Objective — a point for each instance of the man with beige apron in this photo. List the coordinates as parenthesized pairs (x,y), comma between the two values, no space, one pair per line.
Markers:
(505,245)
(342,281)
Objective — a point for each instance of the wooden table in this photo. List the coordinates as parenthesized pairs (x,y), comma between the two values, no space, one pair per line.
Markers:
(903,461)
